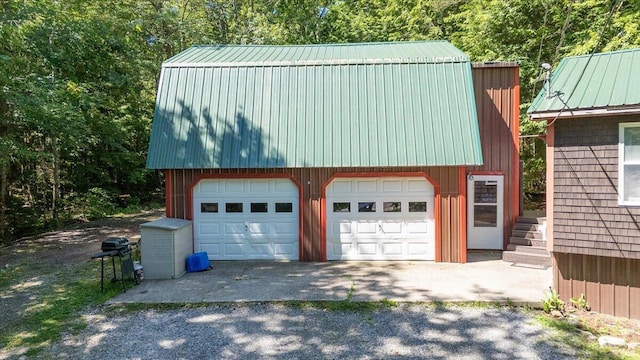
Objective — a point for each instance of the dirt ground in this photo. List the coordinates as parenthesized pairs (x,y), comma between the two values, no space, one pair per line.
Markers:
(76,243)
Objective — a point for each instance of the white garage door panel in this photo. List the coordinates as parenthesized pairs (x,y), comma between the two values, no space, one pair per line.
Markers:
(209,228)
(286,228)
(211,249)
(406,231)
(248,234)
(392,249)
(392,227)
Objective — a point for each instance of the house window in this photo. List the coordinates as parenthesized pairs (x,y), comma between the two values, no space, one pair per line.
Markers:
(629,164)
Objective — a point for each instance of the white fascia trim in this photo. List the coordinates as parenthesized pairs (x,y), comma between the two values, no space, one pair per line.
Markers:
(584,113)
(435,60)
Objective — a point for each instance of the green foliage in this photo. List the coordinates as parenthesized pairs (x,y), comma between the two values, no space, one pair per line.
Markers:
(565,334)
(580,303)
(96,203)
(552,302)
(78,78)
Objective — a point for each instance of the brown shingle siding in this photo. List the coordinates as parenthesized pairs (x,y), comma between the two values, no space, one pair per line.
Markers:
(587,217)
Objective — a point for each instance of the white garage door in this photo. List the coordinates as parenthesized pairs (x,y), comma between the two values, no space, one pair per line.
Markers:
(240,219)
(387,218)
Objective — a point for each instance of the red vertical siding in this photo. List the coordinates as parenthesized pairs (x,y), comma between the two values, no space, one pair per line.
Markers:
(311,180)
(497,93)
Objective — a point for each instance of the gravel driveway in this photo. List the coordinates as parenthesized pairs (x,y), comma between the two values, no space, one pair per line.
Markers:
(273,331)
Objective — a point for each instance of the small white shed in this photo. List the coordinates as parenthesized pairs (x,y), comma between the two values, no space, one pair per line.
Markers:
(164,247)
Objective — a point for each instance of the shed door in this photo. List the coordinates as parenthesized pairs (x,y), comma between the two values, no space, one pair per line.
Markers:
(485,211)
(386,218)
(239,219)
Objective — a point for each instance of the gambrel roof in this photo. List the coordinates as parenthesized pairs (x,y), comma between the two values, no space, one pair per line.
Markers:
(339,105)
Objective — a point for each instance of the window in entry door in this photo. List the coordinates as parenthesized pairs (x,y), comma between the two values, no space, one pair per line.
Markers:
(485,209)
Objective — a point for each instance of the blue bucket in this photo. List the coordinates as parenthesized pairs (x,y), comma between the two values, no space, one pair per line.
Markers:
(198,262)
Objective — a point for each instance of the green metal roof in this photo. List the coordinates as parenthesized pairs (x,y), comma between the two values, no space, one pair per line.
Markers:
(351,105)
(595,84)
(299,55)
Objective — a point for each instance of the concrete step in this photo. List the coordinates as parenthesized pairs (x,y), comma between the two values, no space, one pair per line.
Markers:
(524,258)
(526,234)
(537,250)
(528,242)
(526,220)
(528,227)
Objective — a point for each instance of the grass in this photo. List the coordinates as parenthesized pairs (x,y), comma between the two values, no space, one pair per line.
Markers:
(53,304)
(567,334)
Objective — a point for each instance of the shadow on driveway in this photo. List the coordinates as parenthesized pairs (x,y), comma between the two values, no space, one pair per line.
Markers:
(484,278)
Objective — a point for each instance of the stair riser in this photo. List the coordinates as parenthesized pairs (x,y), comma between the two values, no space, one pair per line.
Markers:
(522,220)
(528,227)
(526,234)
(528,242)
(521,258)
(528,249)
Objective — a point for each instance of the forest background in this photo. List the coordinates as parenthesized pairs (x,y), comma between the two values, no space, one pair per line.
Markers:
(78,78)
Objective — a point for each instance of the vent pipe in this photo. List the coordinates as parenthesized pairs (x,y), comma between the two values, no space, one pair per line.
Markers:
(547,78)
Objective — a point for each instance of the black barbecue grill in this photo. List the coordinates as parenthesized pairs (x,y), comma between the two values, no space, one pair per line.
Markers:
(118,247)
(116,243)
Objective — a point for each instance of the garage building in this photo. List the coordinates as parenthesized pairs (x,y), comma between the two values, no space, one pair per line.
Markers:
(380,151)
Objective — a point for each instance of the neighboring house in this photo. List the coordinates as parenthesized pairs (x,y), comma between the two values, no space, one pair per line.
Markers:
(380,151)
(593,179)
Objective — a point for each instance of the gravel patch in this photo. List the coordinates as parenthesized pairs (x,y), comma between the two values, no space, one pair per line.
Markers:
(276,331)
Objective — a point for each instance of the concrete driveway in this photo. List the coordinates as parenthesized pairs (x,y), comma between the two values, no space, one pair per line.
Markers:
(484,278)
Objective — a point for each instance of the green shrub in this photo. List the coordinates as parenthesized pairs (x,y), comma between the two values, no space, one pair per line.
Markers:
(553,302)
(580,303)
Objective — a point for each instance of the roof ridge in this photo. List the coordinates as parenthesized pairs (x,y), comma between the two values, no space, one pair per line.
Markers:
(322,45)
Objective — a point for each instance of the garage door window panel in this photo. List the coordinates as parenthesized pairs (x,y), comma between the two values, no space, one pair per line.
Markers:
(233,207)
(392,206)
(341,207)
(420,206)
(209,207)
(284,207)
(259,207)
(368,206)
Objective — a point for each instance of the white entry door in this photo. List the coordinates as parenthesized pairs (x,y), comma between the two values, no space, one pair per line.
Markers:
(485,211)
(240,219)
(380,218)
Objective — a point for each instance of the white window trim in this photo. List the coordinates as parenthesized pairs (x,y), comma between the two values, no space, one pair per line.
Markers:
(621,164)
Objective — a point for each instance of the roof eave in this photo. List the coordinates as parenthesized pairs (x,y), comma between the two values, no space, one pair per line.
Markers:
(581,113)
(437,60)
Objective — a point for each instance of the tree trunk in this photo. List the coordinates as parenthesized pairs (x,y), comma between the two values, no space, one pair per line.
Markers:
(55,196)
(4,169)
